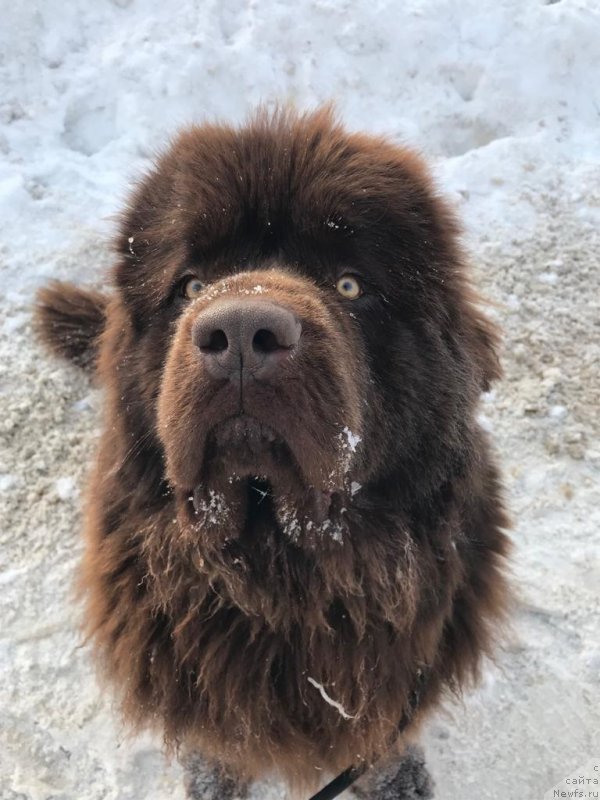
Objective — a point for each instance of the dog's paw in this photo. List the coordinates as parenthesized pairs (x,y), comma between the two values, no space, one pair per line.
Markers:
(404,778)
(209,782)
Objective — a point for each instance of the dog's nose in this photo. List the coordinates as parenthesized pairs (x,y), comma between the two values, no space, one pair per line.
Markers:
(245,337)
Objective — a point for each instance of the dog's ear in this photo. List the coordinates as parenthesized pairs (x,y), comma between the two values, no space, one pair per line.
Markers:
(70,320)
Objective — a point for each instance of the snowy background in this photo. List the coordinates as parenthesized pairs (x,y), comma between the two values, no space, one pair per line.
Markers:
(503,97)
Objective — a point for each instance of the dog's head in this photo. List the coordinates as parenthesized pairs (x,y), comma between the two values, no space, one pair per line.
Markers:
(292,336)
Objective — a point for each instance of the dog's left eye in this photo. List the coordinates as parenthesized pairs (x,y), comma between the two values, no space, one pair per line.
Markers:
(192,288)
(349,287)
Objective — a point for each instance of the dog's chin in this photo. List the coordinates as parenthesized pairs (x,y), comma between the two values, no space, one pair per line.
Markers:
(252,485)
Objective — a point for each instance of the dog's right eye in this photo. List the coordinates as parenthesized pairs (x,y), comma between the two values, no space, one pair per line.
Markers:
(191,288)
(349,287)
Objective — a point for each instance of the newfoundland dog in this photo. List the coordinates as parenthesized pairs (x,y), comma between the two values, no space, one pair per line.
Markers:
(294,533)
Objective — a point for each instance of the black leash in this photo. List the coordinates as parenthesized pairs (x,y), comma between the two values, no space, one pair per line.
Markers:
(349,776)
(340,784)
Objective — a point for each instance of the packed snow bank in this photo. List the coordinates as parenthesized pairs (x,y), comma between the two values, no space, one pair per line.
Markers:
(504,99)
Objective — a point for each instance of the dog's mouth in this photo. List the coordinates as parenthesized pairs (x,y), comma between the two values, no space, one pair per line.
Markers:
(250,479)
(241,445)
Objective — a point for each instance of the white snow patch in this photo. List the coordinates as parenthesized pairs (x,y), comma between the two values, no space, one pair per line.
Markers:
(7,481)
(288,519)
(66,488)
(85,403)
(485,422)
(348,443)
(215,510)
(352,439)
(332,529)
(15,322)
(558,412)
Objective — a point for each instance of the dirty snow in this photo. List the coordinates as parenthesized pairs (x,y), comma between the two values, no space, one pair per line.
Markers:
(503,97)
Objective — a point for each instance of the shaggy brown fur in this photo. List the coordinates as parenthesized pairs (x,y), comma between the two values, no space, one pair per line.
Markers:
(71,321)
(338,522)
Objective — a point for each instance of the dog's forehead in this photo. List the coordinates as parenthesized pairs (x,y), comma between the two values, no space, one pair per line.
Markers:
(306,178)
(296,188)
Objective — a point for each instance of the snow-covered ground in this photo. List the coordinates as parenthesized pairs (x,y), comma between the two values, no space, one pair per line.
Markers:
(503,96)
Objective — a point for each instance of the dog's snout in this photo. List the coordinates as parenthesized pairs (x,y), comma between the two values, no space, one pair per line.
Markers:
(237,337)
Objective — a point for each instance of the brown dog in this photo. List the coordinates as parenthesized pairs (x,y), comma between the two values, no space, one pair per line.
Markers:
(294,534)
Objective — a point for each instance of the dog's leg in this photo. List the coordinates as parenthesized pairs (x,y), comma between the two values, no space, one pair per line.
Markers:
(209,782)
(404,777)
